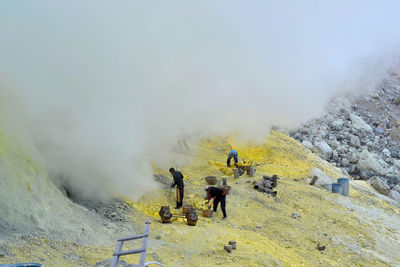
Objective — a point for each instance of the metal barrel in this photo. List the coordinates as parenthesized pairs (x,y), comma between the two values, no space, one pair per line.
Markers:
(337,188)
(345,186)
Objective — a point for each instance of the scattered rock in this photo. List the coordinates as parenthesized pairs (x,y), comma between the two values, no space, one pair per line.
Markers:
(319,247)
(380,185)
(232,244)
(295,215)
(158,237)
(359,124)
(336,125)
(228,248)
(354,141)
(369,163)
(324,149)
(379,130)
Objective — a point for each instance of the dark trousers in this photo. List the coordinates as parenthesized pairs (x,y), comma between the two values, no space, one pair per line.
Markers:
(221,199)
(228,162)
(179,196)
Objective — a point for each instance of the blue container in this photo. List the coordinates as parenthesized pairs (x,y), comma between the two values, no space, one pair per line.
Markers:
(337,188)
(345,186)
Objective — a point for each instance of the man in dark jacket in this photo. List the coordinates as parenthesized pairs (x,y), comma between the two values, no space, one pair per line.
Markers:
(178,181)
(217,195)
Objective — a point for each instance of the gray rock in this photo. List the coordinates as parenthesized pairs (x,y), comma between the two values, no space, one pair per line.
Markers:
(379,130)
(335,155)
(395,195)
(353,157)
(386,152)
(359,124)
(380,185)
(295,215)
(336,125)
(345,162)
(307,144)
(354,169)
(365,175)
(324,149)
(393,180)
(368,162)
(354,141)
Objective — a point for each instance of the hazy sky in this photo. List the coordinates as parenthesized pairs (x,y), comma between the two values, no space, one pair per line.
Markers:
(107,87)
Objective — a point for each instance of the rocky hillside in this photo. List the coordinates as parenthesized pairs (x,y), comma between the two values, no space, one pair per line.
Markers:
(361,135)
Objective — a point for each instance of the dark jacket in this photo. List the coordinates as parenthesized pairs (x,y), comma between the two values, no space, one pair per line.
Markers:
(178,179)
(215,192)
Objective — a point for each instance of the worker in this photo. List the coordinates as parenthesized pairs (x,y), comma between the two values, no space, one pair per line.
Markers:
(232,154)
(178,181)
(217,195)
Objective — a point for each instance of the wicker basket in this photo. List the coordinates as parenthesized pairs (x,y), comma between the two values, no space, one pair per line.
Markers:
(207,213)
(186,207)
(211,180)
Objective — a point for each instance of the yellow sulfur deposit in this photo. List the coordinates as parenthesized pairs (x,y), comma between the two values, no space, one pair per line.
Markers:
(362,230)
(262,226)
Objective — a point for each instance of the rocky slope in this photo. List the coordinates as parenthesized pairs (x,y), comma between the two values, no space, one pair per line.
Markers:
(358,137)
(284,230)
(361,135)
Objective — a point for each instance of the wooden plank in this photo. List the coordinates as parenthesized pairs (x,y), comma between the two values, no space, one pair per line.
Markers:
(132,251)
(116,256)
(144,244)
(133,237)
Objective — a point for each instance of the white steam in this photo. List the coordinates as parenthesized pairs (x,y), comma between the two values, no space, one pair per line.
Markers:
(109,87)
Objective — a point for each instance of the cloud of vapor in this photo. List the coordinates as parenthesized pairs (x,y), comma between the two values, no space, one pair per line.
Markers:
(108,88)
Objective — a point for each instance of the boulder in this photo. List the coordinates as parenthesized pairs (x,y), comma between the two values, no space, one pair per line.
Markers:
(323,149)
(368,162)
(307,144)
(365,175)
(393,180)
(353,157)
(360,124)
(345,162)
(380,185)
